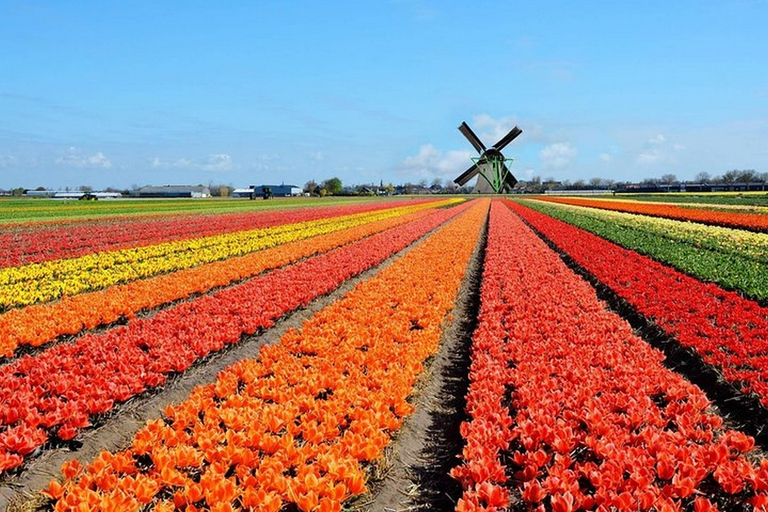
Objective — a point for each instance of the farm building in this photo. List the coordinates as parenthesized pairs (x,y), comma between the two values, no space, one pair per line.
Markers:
(173,191)
(277,191)
(78,194)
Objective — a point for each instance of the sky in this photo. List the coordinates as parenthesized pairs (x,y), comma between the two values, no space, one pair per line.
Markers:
(125,94)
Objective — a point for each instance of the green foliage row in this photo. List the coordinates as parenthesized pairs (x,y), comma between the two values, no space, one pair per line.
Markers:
(730,270)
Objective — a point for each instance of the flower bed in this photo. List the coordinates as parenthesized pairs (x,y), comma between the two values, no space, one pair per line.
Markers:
(296,427)
(28,243)
(728,331)
(754,221)
(569,410)
(733,258)
(55,393)
(41,323)
(50,280)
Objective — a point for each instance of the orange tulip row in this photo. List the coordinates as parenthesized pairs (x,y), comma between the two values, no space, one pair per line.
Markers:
(295,427)
(38,324)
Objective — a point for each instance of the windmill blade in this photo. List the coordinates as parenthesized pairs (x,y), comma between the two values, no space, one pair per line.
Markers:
(510,181)
(472,138)
(513,133)
(467,175)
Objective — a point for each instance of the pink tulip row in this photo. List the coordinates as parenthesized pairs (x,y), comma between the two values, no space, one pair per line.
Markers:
(569,410)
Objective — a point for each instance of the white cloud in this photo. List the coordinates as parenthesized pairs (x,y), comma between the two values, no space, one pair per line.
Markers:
(7,160)
(650,156)
(430,162)
(75,158)
(657,150)
(216,163)
(557,155)
(605,157)
(220,162)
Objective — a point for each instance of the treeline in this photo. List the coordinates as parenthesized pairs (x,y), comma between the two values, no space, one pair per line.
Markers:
(736,176)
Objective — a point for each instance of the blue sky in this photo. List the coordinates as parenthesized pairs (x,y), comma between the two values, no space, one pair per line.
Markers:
(125,94)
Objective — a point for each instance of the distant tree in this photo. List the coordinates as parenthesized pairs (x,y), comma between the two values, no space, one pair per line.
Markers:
(762,177)
(85,188)
(18,192)
(437,184)
(730,176)
(747,176)
(703,177)
(41,189)
(596,183)
(534,185)
(311,187)
(579,185)
(668,179)
(332,186)
(389,188)
(220,190)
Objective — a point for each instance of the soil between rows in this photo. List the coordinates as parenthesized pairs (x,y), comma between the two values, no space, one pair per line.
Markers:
(20,492)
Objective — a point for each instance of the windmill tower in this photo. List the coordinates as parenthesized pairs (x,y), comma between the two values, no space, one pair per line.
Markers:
(491,166)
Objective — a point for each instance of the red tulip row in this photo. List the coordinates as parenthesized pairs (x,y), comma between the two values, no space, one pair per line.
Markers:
(570,407)
(744,220)
(54,393)
(728,331)
(34,244)
(296,428)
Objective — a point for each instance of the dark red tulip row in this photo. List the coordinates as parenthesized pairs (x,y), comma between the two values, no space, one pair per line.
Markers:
(34,244)
(727,330)
(56,392)
(569,410)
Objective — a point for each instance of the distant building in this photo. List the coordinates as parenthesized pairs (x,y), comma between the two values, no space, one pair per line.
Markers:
(77,194)
(241,192)
(173,191)
(277,191)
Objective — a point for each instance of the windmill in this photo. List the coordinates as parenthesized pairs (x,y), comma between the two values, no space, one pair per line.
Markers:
(490,165)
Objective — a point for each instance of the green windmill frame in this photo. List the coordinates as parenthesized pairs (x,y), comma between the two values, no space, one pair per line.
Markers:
(499,176)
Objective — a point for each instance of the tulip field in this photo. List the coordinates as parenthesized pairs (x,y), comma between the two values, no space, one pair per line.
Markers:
(572,392)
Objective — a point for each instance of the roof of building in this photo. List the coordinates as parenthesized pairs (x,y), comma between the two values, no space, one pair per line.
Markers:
(175,188)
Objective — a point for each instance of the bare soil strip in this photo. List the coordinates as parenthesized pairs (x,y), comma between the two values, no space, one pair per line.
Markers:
(414,475)
(20,493)
(741,411)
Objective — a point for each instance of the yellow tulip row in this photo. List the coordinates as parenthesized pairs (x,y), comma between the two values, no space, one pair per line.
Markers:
(746,243)
(41,282)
